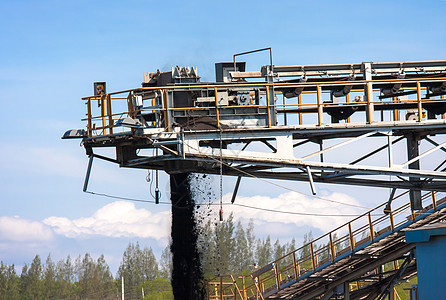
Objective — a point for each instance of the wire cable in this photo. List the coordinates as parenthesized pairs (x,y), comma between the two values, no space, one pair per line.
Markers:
(279,185)
(229,203)
(247,206)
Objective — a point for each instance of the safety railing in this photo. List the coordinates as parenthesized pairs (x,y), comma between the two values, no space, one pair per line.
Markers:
(103,119)
(364,229)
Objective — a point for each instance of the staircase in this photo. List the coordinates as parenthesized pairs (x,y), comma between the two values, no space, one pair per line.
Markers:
(346,263)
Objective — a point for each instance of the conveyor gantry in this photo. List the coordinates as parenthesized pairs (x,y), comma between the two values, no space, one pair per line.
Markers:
(294,129)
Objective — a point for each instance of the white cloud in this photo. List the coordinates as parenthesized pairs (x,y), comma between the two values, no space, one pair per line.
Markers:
(294,202)
(21,230)
(117,219)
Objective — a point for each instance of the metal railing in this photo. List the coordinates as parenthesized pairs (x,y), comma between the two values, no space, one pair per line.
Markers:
(103,120)
(321,252)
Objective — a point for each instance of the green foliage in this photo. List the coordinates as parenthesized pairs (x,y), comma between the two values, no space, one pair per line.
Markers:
(165,264)
(137,266)
(9,282)
(49,279)
(403,288)
(31,280)
(86,279)
(225,247)
(264,251)
(158,288)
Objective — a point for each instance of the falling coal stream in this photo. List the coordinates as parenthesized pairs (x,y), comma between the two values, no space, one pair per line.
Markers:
(187,275)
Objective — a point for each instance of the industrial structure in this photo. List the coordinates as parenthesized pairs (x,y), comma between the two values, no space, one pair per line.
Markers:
(291,122)
(363,259)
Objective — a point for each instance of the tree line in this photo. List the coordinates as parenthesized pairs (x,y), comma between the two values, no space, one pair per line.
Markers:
(226,248)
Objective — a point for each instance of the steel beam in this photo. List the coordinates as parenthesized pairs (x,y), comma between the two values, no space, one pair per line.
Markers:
(413,152)
(315,292)
(87,175)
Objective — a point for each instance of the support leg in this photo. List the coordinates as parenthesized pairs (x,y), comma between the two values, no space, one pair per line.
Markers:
(412,152)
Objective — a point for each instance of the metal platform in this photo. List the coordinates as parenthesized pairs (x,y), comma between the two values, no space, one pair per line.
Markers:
(292,130)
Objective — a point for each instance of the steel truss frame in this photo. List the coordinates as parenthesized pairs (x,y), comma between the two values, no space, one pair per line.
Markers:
(199,152)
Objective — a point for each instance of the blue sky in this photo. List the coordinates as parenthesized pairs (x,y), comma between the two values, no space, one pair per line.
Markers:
(52,51)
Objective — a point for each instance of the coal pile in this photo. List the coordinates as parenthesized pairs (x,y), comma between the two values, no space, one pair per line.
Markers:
(187,275)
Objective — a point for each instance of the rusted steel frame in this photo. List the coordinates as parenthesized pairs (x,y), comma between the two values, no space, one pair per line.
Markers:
(313,260)
(166,110)
(319,105)
(216,291)
(369,96)
(434,201)
(296,266)
(259,291)
(89,126)
(420,109)
(268,106)
(392,221)
(244,289)
(299,101)
(372,232)
(395,111)
(332,248)
(347,99)
(109,114)
(277,276)
(131,108)
(103,116)
(234,283)
(221,287)
(279,84)
(217,113)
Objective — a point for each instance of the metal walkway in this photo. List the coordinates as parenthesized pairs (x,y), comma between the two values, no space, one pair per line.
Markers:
(296,125)
(347,266)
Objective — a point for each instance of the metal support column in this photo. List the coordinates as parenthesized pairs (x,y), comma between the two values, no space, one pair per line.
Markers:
(347,291)
(271,97)
(367,71)
(412,152)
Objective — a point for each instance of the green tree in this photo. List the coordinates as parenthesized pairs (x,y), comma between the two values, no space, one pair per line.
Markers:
(31,280)
(9,282)
(251,241)
(264,251)
(94,279)
(49,279)
(137,266)
(305,251)
(279,250)
(64,278)
(207,249)
(166,263)
(242,259)
(291,246)
(225,246)
(103,278)
(84,272)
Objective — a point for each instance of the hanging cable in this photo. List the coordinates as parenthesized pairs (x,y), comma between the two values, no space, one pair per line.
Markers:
(157,190)
(254,207)
(220,161)
(221,176)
